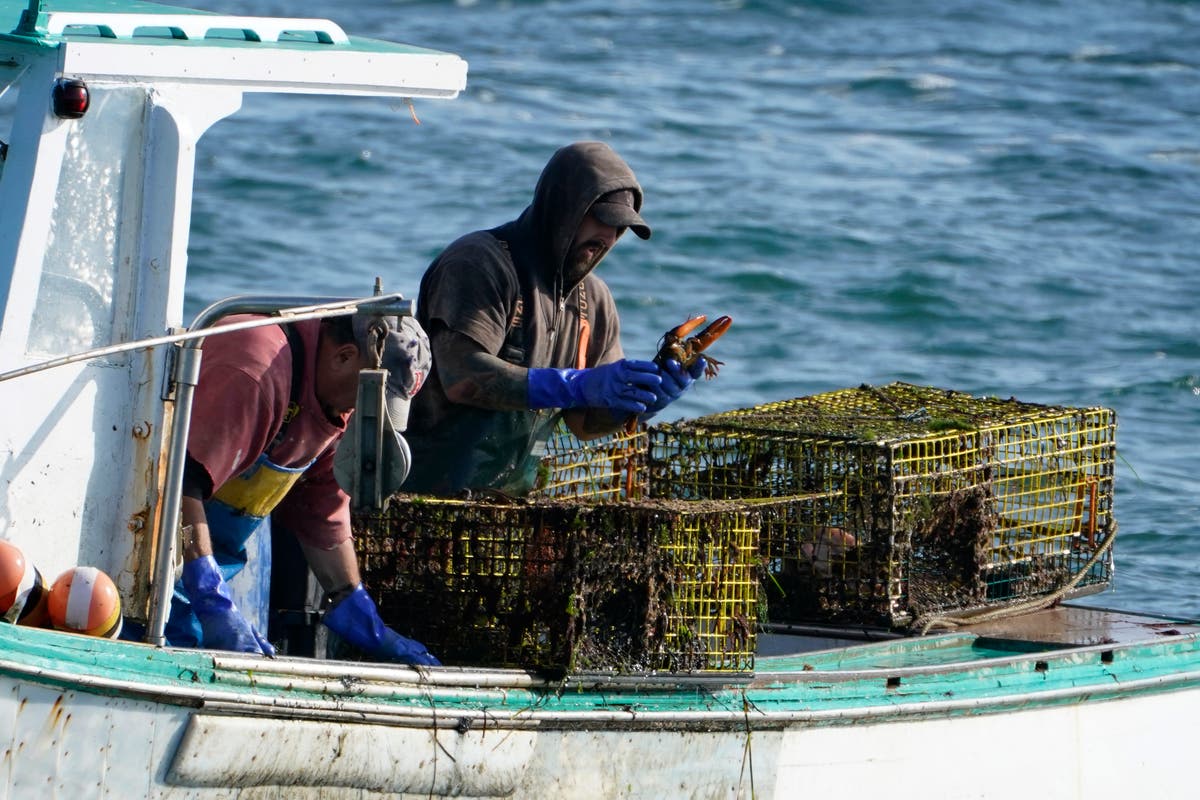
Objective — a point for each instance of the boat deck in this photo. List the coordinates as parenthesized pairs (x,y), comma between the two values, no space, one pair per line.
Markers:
(1064,625)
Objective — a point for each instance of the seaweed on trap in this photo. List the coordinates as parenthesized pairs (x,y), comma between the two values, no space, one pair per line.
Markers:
(881,504)
(564,586)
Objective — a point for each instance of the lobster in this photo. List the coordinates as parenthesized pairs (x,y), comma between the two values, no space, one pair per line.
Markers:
(676,344)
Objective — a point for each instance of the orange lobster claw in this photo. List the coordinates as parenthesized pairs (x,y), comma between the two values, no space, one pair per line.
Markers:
(710,334)
(680,331)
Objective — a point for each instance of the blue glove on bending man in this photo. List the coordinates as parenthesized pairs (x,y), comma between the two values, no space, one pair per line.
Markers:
(624,386)
(675,381)
(355,619)
(223,627)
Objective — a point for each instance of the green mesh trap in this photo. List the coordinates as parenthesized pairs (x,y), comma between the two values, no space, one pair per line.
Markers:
(883,505)
(562,585)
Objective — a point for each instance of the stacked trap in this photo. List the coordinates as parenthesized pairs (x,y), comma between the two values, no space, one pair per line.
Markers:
(885,505)
(584,574)
(563,585)
(661,550)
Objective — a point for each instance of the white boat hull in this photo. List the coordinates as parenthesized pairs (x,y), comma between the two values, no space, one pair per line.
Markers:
(83,744)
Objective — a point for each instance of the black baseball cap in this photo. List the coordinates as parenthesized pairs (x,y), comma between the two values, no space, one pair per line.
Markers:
(616,209)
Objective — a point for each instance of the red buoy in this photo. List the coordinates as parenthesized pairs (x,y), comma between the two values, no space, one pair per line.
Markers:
(23,590)
(85,600)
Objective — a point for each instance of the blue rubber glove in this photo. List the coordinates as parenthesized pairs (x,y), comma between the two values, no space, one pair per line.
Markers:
(356,620)
(623,386)
(675,381)
(222,625)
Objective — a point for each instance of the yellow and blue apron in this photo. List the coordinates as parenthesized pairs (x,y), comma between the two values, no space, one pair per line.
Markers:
(239,524)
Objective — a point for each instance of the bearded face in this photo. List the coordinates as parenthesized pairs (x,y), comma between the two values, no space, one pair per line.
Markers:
(592,242)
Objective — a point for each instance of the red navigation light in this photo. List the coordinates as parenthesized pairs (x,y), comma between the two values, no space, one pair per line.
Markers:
(69,98)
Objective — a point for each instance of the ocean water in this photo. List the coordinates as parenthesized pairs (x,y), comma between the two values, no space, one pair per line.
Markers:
(995,197)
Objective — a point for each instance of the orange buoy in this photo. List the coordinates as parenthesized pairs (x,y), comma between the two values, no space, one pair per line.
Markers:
(85,600)
(23,590)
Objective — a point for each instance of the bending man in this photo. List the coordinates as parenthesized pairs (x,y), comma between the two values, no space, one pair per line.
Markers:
(270,405)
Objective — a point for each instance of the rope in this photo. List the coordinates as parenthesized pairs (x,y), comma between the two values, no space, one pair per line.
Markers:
(924,623)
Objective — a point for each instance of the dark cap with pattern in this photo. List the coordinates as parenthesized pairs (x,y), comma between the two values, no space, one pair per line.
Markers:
(406,356)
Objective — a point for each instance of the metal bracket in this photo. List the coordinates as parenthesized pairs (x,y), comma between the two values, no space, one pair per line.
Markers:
(171,358)
(372,460)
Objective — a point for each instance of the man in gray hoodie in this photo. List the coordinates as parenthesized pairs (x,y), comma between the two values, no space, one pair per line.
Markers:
(523,332)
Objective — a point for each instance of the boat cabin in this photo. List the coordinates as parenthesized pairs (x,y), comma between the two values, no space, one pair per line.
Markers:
(101,107)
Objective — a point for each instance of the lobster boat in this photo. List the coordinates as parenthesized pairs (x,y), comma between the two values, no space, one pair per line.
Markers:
(873,592)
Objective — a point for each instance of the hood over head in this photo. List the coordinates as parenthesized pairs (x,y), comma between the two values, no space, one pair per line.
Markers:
(576,177)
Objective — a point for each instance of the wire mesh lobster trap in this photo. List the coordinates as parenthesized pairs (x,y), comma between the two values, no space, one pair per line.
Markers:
(886,505)
(607,468)
(562,585)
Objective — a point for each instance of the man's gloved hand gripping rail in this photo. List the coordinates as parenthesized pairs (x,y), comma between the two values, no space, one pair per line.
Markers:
(223,625)
(353,616)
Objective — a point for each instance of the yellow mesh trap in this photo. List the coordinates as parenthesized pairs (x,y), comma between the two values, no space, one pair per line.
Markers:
(882,505)
(563,585)
(604,469)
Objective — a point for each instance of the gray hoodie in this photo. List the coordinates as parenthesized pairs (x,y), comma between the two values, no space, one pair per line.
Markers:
(505,289)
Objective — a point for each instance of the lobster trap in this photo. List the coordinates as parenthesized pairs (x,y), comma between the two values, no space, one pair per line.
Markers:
(605,469)
(888,505)
(568,586)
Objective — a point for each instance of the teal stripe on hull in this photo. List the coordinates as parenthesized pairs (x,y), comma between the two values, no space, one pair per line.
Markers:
(824,688)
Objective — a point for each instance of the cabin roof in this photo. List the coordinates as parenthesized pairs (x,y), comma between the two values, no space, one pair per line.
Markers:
(140,40)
